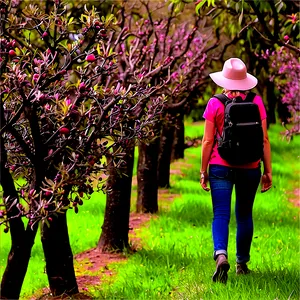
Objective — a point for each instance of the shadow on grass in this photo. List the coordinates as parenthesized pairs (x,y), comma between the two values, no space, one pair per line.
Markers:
(191,213)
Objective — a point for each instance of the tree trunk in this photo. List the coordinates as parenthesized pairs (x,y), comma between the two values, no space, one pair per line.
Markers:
(21,240)
(18,259)
(114,235)
(178,139)
(59,257)
(164,158)
(272,99)
(147,201)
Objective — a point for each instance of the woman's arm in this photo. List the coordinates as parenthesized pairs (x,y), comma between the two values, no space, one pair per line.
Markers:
(267,174)
(207,146)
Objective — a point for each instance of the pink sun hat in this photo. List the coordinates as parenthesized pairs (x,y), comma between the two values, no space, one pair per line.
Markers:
(234,76)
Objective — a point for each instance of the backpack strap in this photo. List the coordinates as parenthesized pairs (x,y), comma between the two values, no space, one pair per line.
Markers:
(223,98)
(250,97)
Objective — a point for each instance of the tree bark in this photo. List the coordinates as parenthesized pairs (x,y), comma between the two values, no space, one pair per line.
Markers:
(178,139)
(164,157)
(21,240)
(272,100)
(147,200)
(59,257)
(18,259)
(114,235)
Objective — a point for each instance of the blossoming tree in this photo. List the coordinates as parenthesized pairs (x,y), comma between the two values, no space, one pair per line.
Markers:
(64,118)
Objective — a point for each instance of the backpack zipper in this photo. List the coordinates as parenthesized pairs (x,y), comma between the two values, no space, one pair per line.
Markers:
(247,124)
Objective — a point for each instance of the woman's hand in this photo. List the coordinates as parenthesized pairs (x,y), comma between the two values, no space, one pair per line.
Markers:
(204,181)
(266,182)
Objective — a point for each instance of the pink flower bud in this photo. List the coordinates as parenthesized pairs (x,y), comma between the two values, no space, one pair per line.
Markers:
(90,58)
(174,75)
(64,130)
(12,53)
(13,42)
(35,77)
(45,34)
(68,101)
(286,37)
(82,86)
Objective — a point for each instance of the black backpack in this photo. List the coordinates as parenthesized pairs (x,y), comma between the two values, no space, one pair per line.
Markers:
(241,141)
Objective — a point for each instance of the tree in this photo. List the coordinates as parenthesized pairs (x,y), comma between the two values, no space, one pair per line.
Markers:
(61,115)
(165,48)
(285,74)
(257,28)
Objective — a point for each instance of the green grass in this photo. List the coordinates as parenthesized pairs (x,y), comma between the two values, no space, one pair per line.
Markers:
(84,231)
(176,259)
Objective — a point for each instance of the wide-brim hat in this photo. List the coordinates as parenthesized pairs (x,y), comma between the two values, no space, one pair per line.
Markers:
(234,76)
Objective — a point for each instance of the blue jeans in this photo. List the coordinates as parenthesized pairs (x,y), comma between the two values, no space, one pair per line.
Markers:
(246,181)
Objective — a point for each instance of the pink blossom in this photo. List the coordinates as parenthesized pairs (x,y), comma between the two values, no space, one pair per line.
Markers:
(37,61)
(286,37)
(293,17)
(47,106)
(174,75)
(197,40)
(190,54)
(68,101)
(82,86)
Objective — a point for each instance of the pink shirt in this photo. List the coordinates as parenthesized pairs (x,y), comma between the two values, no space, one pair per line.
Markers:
(214,112)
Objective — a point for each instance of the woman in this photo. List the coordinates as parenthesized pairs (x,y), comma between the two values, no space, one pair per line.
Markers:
(222,176)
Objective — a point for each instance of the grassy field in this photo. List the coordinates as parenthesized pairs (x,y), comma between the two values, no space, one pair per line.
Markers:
(176,259)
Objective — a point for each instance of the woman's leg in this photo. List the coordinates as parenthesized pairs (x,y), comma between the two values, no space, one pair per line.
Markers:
(246,184)
(221,184)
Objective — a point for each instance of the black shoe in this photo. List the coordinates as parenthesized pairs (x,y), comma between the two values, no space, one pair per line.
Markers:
(222,268)
(242,269)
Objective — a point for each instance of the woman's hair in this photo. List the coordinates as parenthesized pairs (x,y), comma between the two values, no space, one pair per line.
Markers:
(234,93)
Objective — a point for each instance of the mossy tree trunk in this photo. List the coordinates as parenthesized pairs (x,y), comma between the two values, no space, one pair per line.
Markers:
(114,235)
(178,139)
(147,198)
(164,157)
(59,256)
